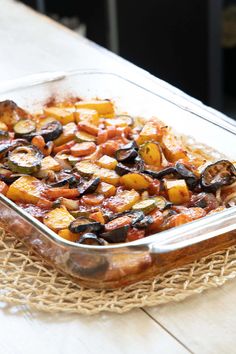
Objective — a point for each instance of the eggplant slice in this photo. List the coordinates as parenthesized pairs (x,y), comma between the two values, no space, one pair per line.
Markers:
(88,186)
(116,235)
(131,145)
(144,223)
(162,173)
(137,165)
(122,170)
(51,131)
(82,224)
(189,177)
(218,174)
(91,239)
(64,179)
(126,155)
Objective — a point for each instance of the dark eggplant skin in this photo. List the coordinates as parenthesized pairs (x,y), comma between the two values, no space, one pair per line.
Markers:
(122,170)
(160,174)
(179,170)
(126,155)
(144,223)
(82,224)
(66,180)
(190,178)
(216,175)
(90,186)
(136,166)
(139,164)
(90,238)
(116,235)
(10,179)
(50,131)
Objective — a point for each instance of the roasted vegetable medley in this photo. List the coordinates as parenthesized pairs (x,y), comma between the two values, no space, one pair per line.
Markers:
(97,177)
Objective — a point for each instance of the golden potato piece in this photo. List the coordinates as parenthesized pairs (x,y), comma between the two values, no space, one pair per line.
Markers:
(58,219)
(177,190)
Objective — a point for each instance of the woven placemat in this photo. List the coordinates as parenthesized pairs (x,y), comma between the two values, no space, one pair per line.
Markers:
(26,280)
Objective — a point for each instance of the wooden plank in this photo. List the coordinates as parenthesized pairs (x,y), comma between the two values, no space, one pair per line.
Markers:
(133,332)
(204,323)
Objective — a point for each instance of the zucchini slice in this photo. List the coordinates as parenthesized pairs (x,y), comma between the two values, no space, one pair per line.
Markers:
(86,169)
(25,159)
(162,203)
(146,206)
(82,137)
(24,128)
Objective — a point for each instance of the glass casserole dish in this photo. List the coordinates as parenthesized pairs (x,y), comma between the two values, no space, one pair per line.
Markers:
(118,265)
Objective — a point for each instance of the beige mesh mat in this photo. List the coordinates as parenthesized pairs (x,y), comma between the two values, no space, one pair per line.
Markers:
(26,280)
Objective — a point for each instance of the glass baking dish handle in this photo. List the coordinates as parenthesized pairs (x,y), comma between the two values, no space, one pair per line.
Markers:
(196,231)
(31,80)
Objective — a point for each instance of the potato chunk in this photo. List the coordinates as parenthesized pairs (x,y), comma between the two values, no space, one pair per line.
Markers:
(108,176)
(26,189)
(107,162)
(88,115)
(49,163)
(64,116)
(58,219)
(123,201)
(103,107)
(173,150)
(152,130)
(68,235)
(177,190)
(68,134)
(135,181)
(108,190)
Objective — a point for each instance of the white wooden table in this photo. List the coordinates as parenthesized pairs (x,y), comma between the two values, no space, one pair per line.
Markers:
(30,43)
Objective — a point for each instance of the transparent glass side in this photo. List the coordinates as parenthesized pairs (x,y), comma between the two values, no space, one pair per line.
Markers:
(119,264)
